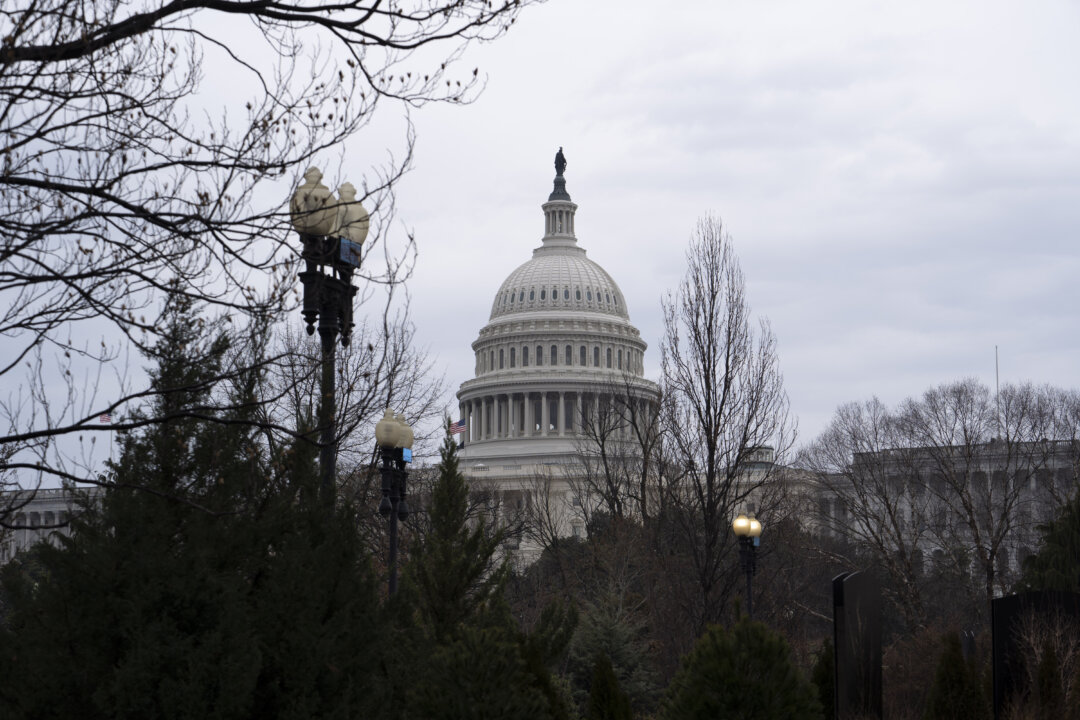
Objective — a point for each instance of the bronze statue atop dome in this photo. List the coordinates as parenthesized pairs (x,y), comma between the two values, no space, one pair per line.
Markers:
(560,162)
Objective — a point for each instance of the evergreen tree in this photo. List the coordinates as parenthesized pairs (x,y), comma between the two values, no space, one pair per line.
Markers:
(1057,564)
(823,675)
(957,689)
(216,590)
(607,701)
(742,672)
(608,629)
(468,659)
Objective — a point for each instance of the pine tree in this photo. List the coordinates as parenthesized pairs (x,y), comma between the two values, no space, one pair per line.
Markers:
(823,675)
(607,628)
(742,672)
(469,660)
(202,585)
(957,689)
(607,701)
(1057,564)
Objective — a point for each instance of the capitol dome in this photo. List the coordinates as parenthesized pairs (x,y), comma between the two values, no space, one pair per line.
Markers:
(557,351)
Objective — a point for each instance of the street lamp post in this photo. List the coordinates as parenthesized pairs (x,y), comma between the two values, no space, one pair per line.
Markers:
(395,439)
(748,530)
(332,231)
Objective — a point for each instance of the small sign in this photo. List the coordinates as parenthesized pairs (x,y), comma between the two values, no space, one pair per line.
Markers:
(406,454)
(349,252)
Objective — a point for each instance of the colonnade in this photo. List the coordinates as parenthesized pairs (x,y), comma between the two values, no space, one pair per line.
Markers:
(538,414)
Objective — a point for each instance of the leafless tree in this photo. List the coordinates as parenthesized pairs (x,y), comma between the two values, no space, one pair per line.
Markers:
(862,470)
(724,402)
(960,476)
(147,148)
(619,449)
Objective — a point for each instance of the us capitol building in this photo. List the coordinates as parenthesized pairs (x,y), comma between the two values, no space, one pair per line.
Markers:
(557,348)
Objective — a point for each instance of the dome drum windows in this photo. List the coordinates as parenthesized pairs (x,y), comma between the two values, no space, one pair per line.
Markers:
(525,356)
(532,295)
(539,355)
(581,356)
(513,356)
(569,355)
(609,358)
(596,356)
(554,355)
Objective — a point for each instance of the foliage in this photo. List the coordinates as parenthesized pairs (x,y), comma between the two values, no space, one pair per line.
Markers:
(607,701)
(742,672)
(1056,566)
(221,588)
(609,630)
(468,657)
(823,675)
(957,690)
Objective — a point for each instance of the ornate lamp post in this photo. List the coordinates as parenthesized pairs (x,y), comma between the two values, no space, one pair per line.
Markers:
(395,439)
(332,231)
(748,530)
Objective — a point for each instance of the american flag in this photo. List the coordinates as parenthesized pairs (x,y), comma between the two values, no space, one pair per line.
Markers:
(105,419)
(458,427)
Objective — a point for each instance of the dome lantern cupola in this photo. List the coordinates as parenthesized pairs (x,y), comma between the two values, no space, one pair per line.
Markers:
(559,209)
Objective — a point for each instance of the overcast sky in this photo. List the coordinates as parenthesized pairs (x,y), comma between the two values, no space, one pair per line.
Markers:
(901,181)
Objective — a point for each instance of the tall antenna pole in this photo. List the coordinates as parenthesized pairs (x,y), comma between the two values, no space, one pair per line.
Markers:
(997,389)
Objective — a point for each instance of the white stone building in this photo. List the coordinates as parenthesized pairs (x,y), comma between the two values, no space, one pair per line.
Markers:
(558,345)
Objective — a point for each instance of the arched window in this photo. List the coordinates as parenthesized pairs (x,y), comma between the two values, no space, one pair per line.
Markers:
(513,356)
(566,293)
(500,358)
(620,359)
(491,366)
(511,298)
(521,296)
(532,295)
(525,356)
(569,355)
(596,356)
(616,299)
(581,358)
(539,354)
(543,294)
(554,354)
(607,298)
(588,295)
(577,292)
(609,357)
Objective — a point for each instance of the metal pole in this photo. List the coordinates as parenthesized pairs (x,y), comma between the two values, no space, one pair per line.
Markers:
(327,411)
(749,583)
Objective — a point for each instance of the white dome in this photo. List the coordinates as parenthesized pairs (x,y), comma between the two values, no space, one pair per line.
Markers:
(559,278)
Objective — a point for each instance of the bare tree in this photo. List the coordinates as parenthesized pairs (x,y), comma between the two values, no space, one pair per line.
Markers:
(863,472)
(123,179)
(953,482)
(724,402)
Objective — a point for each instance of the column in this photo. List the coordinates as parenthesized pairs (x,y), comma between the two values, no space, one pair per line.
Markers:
(511,427)
(562,413)
(575,424)
(544,414)
(483,419)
